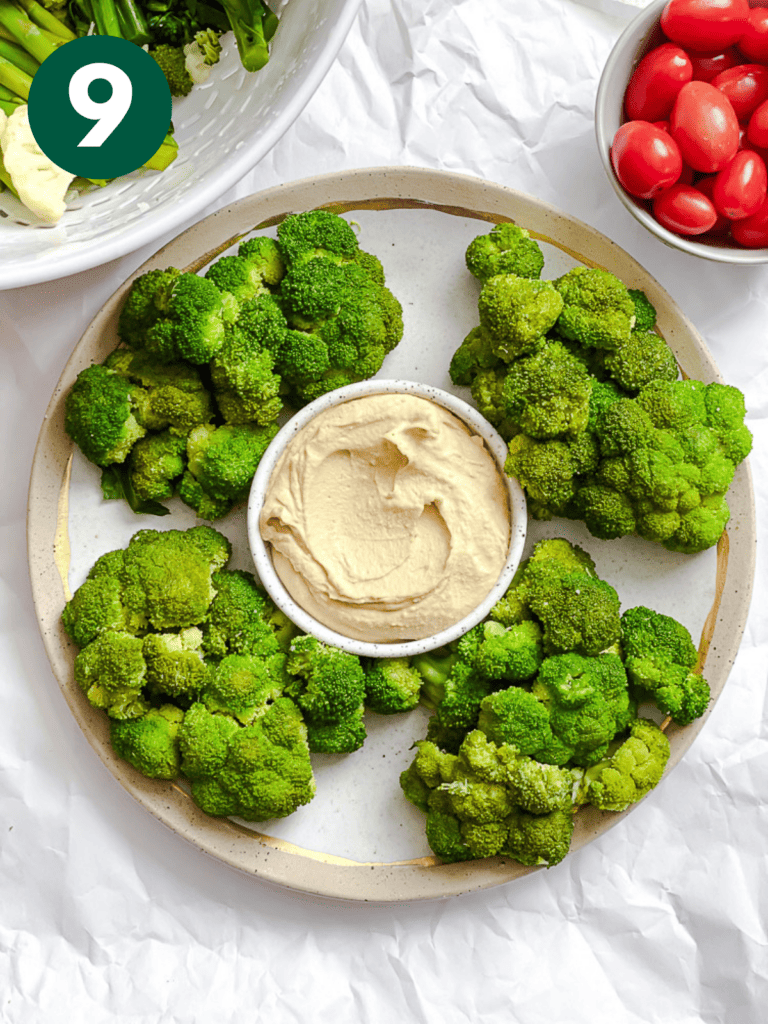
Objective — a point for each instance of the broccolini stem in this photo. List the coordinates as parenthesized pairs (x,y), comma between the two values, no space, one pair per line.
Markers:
(45,20)
(9,101)
(14,79)
(133,22)
(35,40)
(18,55)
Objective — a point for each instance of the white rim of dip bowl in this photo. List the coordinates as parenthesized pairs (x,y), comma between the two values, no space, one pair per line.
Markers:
(260,550)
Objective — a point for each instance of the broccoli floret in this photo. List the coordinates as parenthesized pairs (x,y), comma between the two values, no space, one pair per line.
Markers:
(642,359)
(111,673)
(223,459)
(265,257)
(150,743)
(238,621)
(184,321)
(547,394)
(487,387)
(244,686)
(204,740)
(445,839)
(140,309)
(175,667)
(156,464)
(171,61)
(246,387)
(577,611)
(634,768)
(304,358)
(97,607)
(513,654)
(660,658)
(645,311)
(392,685)
(330,683)
(167,395)
(546,471)
(342,737)
(155,560)
(597,310)
(471,357)
(517,312)
(506,249)
(453,685)
(266,771)
(100,415)
(515,716)
(588,703)
(535,839)
(304,236)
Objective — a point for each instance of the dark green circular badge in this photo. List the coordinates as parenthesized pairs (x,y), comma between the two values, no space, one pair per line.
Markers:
(99,107)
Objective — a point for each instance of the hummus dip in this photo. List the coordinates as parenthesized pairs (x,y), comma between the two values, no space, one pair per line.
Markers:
(387,517)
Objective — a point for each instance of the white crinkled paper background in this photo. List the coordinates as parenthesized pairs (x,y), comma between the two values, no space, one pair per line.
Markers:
(107,916)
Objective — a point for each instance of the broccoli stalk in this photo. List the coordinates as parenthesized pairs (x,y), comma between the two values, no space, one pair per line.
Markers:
(37,41)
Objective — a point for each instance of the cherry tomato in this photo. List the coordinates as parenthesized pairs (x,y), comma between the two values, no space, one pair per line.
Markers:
(757,128)
(754,42)
(752,232)
(707,65)
(722,224)
(704,126)
(739,190)
(705,25)
(745,85)
(655,83)
(684,210)
(645,159)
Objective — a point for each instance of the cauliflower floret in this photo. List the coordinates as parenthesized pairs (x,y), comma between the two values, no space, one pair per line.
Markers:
(39,183)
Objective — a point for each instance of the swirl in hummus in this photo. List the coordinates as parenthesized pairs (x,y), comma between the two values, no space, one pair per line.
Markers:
(387,517)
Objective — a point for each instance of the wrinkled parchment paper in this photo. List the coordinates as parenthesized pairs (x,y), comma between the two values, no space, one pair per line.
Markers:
(107,916)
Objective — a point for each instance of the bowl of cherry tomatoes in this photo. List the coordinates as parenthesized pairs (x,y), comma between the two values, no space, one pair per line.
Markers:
(681,119)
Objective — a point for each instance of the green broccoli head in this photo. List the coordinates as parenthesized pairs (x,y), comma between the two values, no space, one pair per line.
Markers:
(223,459)
(246,388)
(265,257)
(190,322)
(150,743)
(547,472)
(100,415)
(660,658)
(506,249)
(517,312)
(97,607)
(515,716)
(645,357)
(140,309)
(156,464)
(535,839)
(392,685)
(487,387)
(597,310)
(154,560)
(171,60)
(244,686)
(344,737)
(645,311)
(175,666)
(588,703)
(111,672)
(633,769)
(511,653)
(239,618)
(204,739)
(165,395)
(547,393)
(471,357)
(307,235)
(266,771)
(330,683)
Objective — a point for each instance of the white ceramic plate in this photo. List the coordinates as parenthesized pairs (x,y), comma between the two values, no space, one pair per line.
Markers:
(224,127)
(359,838)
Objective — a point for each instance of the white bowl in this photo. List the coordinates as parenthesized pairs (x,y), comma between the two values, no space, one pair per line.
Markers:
(261,551)
(224,127)
(641,35)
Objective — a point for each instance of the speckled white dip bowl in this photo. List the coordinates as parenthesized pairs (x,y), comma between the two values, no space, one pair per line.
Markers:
(261,550)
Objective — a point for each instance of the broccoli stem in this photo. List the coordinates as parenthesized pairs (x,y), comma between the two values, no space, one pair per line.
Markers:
(119,18)
(45,20)
(18,55)
(35,40)
(254,25)
(165,155)
(14,79)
